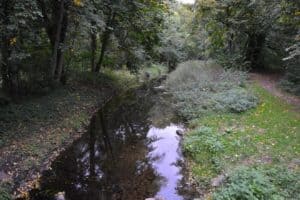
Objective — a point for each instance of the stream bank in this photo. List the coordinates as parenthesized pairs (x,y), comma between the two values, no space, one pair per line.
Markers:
(40,128)
(130,151)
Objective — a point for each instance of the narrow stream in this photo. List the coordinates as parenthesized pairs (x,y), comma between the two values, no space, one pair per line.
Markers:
(122,156)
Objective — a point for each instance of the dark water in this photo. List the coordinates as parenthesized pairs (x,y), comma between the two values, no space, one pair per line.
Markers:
(122,156)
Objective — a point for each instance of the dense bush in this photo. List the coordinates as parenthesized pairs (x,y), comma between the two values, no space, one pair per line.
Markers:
(256,184)
(202,87)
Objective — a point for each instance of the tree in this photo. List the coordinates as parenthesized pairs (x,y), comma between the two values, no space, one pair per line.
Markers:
(239,28)
(55,21)
(16,19)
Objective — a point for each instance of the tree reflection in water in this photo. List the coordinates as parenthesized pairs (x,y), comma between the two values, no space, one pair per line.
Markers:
(110,161)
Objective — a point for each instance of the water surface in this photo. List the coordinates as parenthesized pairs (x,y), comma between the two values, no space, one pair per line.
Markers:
(122,156)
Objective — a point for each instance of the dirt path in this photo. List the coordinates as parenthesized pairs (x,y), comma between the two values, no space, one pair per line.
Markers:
(270,83)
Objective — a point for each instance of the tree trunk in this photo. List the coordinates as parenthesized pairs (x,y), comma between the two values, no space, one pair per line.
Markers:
(60,63)
(54,60)
(105,39)
(103,49)
(230,44)
(93,51)
(60,55)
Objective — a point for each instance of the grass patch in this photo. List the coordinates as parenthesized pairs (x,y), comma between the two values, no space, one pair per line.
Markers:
(267,135)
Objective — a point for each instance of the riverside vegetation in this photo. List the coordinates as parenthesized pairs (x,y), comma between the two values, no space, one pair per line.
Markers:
(60,60)
(240,135)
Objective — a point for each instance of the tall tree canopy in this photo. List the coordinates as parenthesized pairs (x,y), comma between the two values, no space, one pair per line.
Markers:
(42,39)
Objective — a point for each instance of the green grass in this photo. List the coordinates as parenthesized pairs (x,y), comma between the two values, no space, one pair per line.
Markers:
(268,135)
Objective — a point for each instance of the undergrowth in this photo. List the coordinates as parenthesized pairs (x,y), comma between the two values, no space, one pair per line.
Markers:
(265,136)
(4,192)
(231,132)
(153,71)
(260,183)
(116,79)
(204,87)
(204,147)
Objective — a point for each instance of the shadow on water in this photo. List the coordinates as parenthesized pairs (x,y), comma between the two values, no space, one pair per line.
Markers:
(122,156)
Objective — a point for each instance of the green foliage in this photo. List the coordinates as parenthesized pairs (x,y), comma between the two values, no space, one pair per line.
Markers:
(41,45)
(4,191)
(252,35)
(203,87)
(237,100)
(266,134)
(153,71)
(178,41)
(251,183)
(4,195)
(204,146)
(114,79)
(122,79)
(291,80)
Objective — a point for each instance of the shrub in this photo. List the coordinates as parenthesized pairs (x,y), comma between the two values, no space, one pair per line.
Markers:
(202,87)
(236,100)
(255,184)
